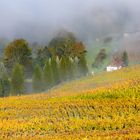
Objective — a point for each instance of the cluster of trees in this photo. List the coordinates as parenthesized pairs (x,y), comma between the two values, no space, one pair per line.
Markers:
(62,59)
(58,70)
(13,85)
(120,59)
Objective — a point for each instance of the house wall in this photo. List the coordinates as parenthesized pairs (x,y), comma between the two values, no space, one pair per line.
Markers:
(110,68)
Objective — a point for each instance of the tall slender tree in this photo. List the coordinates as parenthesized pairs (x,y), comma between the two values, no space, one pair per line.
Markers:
(17,80)
(70,68)
(47,75)
(37,79)
(83,69)
(4,81)
(125,59)
(76,71)
(55,71)
(63,69)
(1,90)
(99,60)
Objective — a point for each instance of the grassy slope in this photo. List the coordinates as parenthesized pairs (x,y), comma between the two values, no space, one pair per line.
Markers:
(105,106)
(99,80)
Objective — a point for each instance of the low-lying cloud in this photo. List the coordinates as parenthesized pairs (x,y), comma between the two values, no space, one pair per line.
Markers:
(39,20)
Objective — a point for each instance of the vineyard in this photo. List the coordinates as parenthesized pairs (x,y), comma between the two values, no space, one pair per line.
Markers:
(104,106)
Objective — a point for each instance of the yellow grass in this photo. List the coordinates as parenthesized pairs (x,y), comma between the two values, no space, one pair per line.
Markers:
(105,106)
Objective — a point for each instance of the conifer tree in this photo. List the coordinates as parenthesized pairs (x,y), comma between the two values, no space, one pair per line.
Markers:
(83,69)
(4,81)
(17,80)
(55,71)
(99,60)
(47,75)
(6,86)
(70,68)
(37,79)
(75,70)
(1,90)
(63,69)
(125,59)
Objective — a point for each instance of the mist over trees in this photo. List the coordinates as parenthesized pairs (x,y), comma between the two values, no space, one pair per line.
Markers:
(62,59)
(40,20)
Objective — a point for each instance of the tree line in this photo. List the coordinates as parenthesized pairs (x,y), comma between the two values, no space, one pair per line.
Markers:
(118,59)
(64,58)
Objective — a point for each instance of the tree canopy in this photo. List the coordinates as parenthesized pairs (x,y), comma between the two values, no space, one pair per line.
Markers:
(63,45)
(17,51)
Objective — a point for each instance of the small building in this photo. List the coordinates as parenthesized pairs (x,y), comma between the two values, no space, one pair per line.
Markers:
(115,64)
(112,68)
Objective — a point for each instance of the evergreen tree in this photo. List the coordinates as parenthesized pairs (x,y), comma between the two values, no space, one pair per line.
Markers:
(76,72)
(5,86)
(101,56)
(4,81)
(125,59)
(42,55)
(82,64)
(70,68)
(2,70)
(55,71)
(37,79)
(17,80)
(1,90)
(47,75)
(63,69)
(66,68)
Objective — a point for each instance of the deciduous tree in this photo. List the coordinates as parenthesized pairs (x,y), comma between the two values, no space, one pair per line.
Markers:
(17,51)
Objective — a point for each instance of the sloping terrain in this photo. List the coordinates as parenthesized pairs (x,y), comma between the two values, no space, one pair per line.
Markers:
(104,106)
(116,43)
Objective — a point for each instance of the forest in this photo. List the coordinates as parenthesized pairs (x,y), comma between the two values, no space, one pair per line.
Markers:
(62,59)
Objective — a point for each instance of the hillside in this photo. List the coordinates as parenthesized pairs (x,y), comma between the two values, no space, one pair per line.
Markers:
(104,106)
(115,43)
(99,80)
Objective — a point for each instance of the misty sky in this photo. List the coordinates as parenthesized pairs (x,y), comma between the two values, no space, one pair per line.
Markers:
(39,20)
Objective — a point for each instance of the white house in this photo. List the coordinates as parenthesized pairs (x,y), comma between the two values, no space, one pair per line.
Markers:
(113,68)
